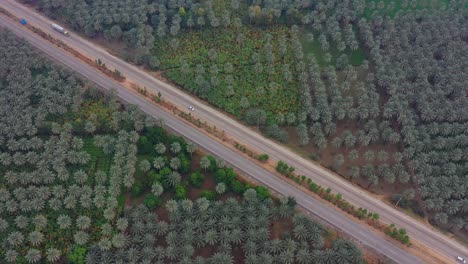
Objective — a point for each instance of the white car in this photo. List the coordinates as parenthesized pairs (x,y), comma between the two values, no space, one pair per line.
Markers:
(462,260)
(191,108)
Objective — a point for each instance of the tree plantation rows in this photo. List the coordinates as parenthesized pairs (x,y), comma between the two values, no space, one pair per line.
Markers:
(85,180)
(374,90)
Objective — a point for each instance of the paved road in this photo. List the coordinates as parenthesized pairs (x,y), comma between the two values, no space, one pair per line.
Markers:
(428,236)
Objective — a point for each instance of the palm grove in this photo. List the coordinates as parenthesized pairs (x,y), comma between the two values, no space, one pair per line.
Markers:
(72,160)
(376,90)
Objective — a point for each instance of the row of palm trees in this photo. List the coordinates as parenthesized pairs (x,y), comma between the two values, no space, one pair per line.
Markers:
(224,227)
(419,63)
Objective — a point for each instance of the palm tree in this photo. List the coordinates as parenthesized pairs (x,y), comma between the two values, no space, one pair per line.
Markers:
(187,205)
(250,247)
(205,163)
(157,189)
(33,255)
(222,257)
(106,229)
(172,252)
(53,255)
(83,222)
(119,240)
(100,177)
(121,224)
(336,142)
(236,236)
(80,176)
(11,255)
(353,154)
(304,256)
(90,127)
(220,188)
(369,156)
(175,147)
(104,244)
(175,163)
(355,172)
(172,206)
(145,165)
(15,238)
(36,238)
(300,232)
(3,225)
(211,237)
(287,257)
(70,202)
(220,163)
(159,163)
(81,237)
(160,148)
(21,221)
(382,156)
(173,178)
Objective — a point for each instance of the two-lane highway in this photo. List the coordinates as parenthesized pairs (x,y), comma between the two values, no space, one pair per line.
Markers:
(418,231)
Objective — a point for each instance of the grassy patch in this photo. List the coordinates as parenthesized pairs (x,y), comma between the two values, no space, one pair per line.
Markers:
(194,48)
(356,57)
(99,160)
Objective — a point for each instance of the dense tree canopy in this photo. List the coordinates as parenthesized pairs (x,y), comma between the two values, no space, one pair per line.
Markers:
(65,189)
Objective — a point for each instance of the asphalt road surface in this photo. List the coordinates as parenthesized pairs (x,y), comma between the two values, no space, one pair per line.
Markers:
(417,231)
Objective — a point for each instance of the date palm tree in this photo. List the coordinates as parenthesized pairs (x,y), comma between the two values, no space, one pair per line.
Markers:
(145,165)
(250,247)
(33,255)
(222,257)
(160,148)
(172,206)
(205,163)
(157,189)
(21,221)
(175,163)
(211,237)
(121,224)
(36,238)
(220,188)
(11,256)
(3,225)
(173,178)
(53,255)
(81,237)
(15,238)
(175,147)
(104,244)
(83,222)
(159,163)
(80,176)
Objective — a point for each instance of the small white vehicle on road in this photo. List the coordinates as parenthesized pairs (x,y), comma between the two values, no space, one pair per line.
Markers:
(461,260)
(191,108)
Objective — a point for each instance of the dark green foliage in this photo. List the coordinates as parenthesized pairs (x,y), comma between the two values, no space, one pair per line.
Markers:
(84,201)
(262,192)
(180,191)
(77,255)
(185,164)
(210,195)
(263,157)
(153,177)
(212,167)
(145,146)
(237,187)
(197,179)
(149,138)
(151,201)
(137,188)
